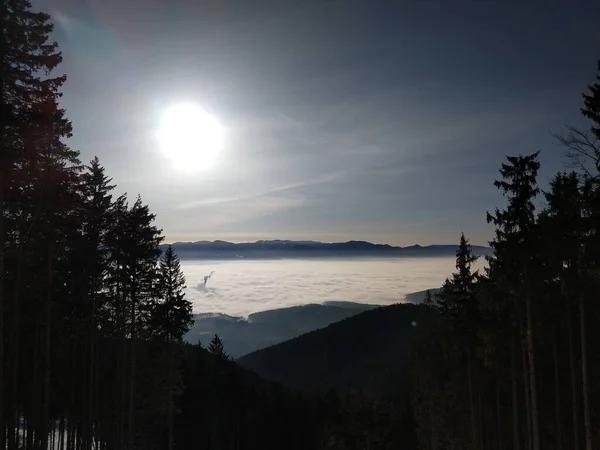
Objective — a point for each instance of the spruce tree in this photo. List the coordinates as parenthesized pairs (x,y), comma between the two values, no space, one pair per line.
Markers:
(141,258)
(171,319)
(456,297)
(172,315)
(456,301)
(90,268)
(515,247)
(428,300)
(216,347)
(35,169)
(591,101)
(591,252)
(563,220)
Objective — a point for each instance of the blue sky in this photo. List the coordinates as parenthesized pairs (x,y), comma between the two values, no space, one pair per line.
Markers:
(377,120)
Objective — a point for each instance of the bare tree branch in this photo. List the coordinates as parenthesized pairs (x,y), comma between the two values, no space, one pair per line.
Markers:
(583,149)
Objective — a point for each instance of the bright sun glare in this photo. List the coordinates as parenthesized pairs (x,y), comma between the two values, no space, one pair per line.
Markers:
(190,137)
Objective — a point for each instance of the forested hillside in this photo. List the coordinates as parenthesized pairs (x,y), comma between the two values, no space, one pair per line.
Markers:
(369,351)
(92,314)
(511,359)
(266,328)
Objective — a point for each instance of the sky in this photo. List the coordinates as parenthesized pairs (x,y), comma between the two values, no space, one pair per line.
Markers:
(374,120)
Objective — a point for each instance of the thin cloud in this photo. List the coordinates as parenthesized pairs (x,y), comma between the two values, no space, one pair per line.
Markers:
(424,222)
(236,212)
(207,202)
(264,194)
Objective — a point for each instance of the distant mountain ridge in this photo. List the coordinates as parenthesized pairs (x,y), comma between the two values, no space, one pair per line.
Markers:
(275,249)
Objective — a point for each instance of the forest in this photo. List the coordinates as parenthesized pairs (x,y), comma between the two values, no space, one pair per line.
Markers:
(93,311)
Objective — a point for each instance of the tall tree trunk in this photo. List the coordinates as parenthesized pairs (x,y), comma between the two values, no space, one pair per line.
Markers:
(15,344)
(535,428)
(526,385)
(557,395)
(171,375)
(89,401)
(38,376)
(30,434)
(61,433)
(433,435)
(19,428)
(47,348)
(515,398)
(53,435)
(500,438)
(574,390)
(70,434)
(2,333)
(471,400)
(130,409)
(3,180)
(120,379)
(584,376)
(485,421)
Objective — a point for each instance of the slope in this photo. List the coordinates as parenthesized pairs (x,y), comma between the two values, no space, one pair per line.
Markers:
(368,351)
(263,329)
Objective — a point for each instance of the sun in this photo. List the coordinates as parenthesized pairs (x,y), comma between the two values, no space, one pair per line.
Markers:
(190,137)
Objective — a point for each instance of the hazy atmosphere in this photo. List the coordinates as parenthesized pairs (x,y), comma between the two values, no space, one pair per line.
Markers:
(299,224)
(384,122)
(240,288)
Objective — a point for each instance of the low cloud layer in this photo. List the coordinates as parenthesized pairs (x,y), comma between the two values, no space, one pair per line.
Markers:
(239,288)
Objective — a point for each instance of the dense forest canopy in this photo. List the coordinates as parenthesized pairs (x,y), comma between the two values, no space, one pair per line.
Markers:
(92,312)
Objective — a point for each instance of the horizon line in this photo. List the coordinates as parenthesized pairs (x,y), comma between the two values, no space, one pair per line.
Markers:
(314,241)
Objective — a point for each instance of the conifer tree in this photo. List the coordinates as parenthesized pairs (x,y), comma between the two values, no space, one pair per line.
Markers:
(456,301)
(35,168)
(591,101)
(90,264)
(216,347)
(591,256)
(171,319)
(428,300)
(515,247)
(456,297)
(172,316)
(563,220)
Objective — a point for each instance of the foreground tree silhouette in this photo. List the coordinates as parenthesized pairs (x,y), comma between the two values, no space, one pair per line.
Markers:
(458,319)
(87,265)
(515,249)
(460,294)
(172,317)
(563,221)
(591,108)
(35,171)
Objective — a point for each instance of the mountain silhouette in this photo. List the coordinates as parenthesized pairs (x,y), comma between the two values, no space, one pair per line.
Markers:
(367,352)
(309,249)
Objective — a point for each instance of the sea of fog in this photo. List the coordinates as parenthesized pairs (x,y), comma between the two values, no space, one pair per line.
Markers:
(242,287)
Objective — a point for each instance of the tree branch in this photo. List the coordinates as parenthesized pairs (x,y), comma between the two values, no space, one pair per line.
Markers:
(582,147)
